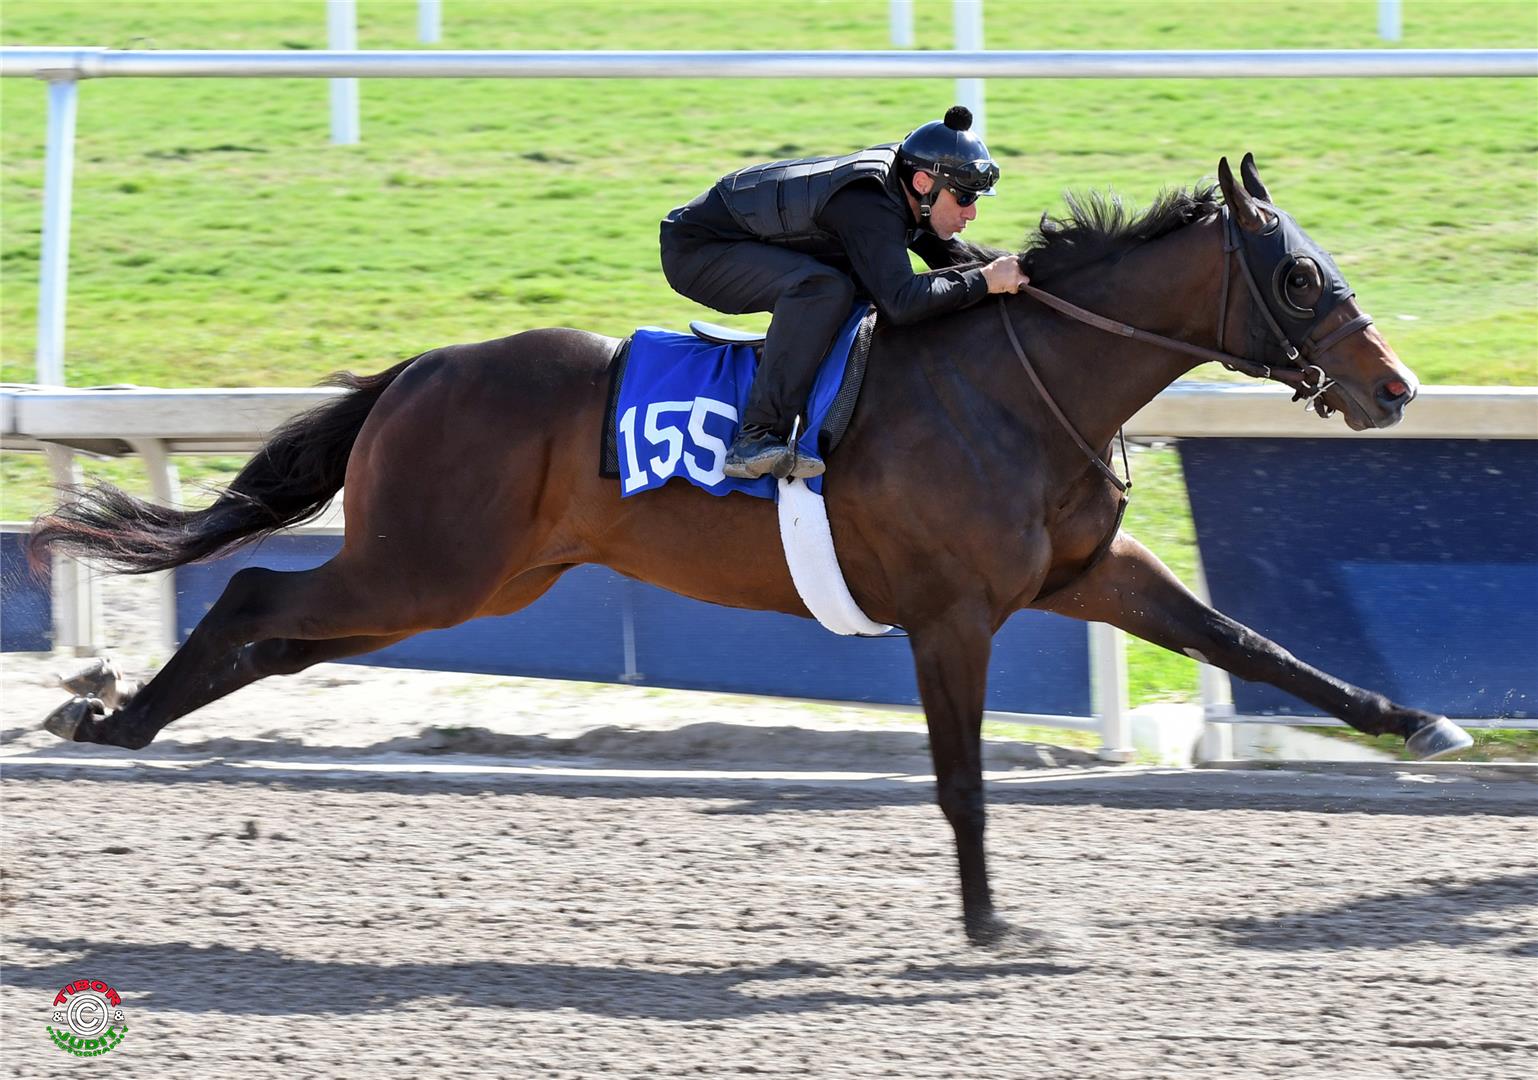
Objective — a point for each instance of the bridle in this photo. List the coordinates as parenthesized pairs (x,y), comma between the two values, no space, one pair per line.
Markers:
(1308,382)
(1299,371)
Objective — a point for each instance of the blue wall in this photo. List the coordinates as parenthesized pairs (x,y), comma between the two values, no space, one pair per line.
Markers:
(578,631)
(1406,566)
(26,610)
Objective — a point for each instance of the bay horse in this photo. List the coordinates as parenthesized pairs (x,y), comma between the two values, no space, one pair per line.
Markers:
(972,482)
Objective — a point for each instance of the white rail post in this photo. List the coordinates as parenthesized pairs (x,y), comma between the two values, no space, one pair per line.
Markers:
(632,673)
(1108,660)
(902,24)
(1217,692)
(429,22)
(74,594)
(1389,28)
(342,36)
(58,196)
(167,489)
(969,38)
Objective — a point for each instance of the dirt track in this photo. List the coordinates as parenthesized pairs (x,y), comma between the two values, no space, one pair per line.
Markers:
(278,924)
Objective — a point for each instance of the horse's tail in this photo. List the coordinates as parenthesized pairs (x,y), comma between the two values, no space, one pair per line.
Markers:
(290,480)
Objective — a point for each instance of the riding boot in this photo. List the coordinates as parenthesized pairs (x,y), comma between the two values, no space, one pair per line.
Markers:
(756,451)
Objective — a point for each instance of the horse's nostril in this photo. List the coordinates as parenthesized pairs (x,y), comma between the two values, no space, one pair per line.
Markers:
(1394,392)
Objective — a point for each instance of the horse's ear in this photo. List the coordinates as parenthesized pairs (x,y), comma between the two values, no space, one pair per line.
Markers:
(1240,204)
(1251,177)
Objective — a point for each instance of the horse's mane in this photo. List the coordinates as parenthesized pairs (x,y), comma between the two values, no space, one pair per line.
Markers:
(1098,227)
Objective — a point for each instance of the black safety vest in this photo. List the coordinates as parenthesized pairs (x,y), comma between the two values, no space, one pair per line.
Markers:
(780,200)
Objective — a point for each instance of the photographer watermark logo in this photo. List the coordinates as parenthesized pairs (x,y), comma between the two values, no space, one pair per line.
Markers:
(87,1018)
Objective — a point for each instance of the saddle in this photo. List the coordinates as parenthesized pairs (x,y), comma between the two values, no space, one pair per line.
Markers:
(725,335)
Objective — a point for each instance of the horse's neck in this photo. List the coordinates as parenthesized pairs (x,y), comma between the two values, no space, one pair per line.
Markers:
(1169,287)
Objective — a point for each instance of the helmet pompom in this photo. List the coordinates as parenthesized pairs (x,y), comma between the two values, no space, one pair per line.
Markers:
(958,118)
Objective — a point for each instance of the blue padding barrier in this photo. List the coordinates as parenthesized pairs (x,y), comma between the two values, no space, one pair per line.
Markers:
(1405,566)
(579,629)
(26,604)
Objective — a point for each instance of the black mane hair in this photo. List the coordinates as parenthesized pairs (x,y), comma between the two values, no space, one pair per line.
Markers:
(1099,227)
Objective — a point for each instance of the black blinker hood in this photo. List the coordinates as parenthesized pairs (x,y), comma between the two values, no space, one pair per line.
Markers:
(1276,246)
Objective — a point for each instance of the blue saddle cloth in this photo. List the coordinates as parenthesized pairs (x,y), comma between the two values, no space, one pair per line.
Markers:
(676,410)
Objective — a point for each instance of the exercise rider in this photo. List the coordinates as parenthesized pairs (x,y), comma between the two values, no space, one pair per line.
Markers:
(803,239)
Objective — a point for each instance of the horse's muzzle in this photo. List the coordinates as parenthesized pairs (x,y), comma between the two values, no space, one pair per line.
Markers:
(1395,394)
(1391,396)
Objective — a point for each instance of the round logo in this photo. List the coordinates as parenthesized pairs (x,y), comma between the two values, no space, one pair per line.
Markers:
(87,1018)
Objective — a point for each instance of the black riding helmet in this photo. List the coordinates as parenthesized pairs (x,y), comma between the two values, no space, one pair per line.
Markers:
(949,151)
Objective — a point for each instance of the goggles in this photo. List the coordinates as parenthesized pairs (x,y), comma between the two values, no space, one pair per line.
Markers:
(963,197)
(968,182)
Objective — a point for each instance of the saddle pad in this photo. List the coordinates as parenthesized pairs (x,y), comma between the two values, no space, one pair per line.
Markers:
(675,403)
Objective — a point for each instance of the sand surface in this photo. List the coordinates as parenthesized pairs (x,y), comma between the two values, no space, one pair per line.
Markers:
(435,875)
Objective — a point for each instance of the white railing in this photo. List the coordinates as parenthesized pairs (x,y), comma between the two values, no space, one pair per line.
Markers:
(234,421)
(55,62)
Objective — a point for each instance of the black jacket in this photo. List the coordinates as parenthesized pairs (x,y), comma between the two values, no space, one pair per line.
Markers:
(848,212)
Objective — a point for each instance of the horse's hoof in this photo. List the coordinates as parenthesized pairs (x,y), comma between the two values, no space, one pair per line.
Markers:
(65,721)
(987,929)
(98,679)
(1002,936)
(1438,739)
(992,932)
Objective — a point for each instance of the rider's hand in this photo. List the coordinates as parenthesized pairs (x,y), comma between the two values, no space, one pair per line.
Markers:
(1003,275)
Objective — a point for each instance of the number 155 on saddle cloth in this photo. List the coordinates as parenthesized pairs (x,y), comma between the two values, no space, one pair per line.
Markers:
(676,399)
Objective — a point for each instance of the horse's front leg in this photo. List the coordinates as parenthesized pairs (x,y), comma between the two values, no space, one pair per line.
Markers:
(951,657)
(1131,589)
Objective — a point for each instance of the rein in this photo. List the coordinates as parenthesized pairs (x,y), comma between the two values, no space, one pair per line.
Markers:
(1123,487)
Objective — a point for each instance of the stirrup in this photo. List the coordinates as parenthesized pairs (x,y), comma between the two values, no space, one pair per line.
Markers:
(802,465)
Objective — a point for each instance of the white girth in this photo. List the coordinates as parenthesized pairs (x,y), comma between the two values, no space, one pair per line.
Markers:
(808,544)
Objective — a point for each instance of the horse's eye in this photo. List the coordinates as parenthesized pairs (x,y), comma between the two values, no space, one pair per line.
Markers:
(1302,285)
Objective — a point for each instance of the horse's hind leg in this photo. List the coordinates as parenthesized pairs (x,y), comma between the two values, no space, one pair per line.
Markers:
(1130,588)
(257,605)
(85,720)
(270,623)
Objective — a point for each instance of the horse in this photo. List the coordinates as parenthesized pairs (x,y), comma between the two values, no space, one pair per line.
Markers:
(972,481)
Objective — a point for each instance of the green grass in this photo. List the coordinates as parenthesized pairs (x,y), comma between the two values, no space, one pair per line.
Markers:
(219,240)
(1159,515)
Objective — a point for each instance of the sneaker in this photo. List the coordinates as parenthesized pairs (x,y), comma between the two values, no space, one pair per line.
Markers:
(755,453)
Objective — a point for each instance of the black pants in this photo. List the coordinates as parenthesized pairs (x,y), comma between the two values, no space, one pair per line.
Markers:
(809,299)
